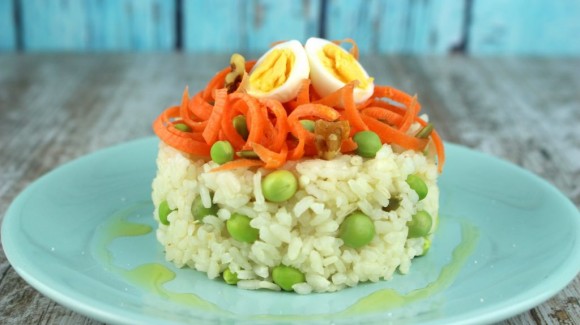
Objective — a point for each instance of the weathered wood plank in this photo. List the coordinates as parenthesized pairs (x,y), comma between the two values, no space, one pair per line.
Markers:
(98,25)
(246,26)
(213,26)
(390,26)
(525,27)
(7,26)
(271,20)
(131,25)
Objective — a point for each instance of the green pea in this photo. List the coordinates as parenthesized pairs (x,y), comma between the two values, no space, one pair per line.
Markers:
(241,126)
(164,211)
(287,276)
(230,277)
(221,152)
(308,125)
(418,185)
(357,230)
(420,224)
(368,144)
(182,127)
(279,186)
(199,211)
(238,226)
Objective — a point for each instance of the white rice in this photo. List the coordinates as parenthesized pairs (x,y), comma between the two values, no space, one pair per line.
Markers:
(302,232)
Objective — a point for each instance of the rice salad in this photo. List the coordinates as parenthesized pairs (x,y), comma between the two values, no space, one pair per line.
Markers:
(304,207)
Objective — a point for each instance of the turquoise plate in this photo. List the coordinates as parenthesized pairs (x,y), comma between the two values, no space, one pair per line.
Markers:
(84,236)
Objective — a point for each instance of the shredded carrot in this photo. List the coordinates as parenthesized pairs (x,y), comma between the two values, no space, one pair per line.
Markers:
(256,120)
(271,158)
(333,99)
(410,114)
(237,106)
(395,95)
(281,128)
(275,132)
(439,147)
(296,128)
(348,145)
(303,96)
(354,47)
(383,114)
(391,135)
(183,141)
(351,113)
(218,81)
(211,132)
(200,107)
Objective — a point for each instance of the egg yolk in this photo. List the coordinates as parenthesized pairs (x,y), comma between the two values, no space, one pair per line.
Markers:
(273,71)
(343,65)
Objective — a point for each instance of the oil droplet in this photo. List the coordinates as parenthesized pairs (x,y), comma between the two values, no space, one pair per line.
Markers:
(386,299)
(150,277)
(118,226)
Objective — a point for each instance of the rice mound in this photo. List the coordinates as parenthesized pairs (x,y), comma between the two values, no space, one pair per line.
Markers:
(302,232)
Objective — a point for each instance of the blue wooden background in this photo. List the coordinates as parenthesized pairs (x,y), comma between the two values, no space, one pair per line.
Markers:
(474,27)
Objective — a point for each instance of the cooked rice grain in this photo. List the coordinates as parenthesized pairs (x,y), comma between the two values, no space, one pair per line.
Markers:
(302,232)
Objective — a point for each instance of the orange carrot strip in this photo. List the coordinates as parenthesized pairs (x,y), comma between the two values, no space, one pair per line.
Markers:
(348,145)
(281,128)
(183,141)
(271,158)
(391,135)
(351,113)
(439,147)
(314,96)
(238,163)
(380,103)
(187,115)
(333,99)
(218,81)
(237,106)
(184,103)
(395,95)
(364,104)
(211,131)
(303,96)
(256,120)
(383,114)
(410,115)
(311,110)
(238,103)
(353,50)
(200,107)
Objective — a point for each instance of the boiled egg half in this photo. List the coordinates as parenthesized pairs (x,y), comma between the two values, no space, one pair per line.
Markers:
(332,67)
(279,72)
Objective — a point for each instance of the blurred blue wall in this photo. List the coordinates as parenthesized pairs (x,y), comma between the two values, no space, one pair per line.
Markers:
(474,27)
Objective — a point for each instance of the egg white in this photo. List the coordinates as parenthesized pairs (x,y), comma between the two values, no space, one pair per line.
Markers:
(300,70)
(323,80)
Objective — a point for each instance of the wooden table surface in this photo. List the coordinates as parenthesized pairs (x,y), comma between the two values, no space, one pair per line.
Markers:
(57,107)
